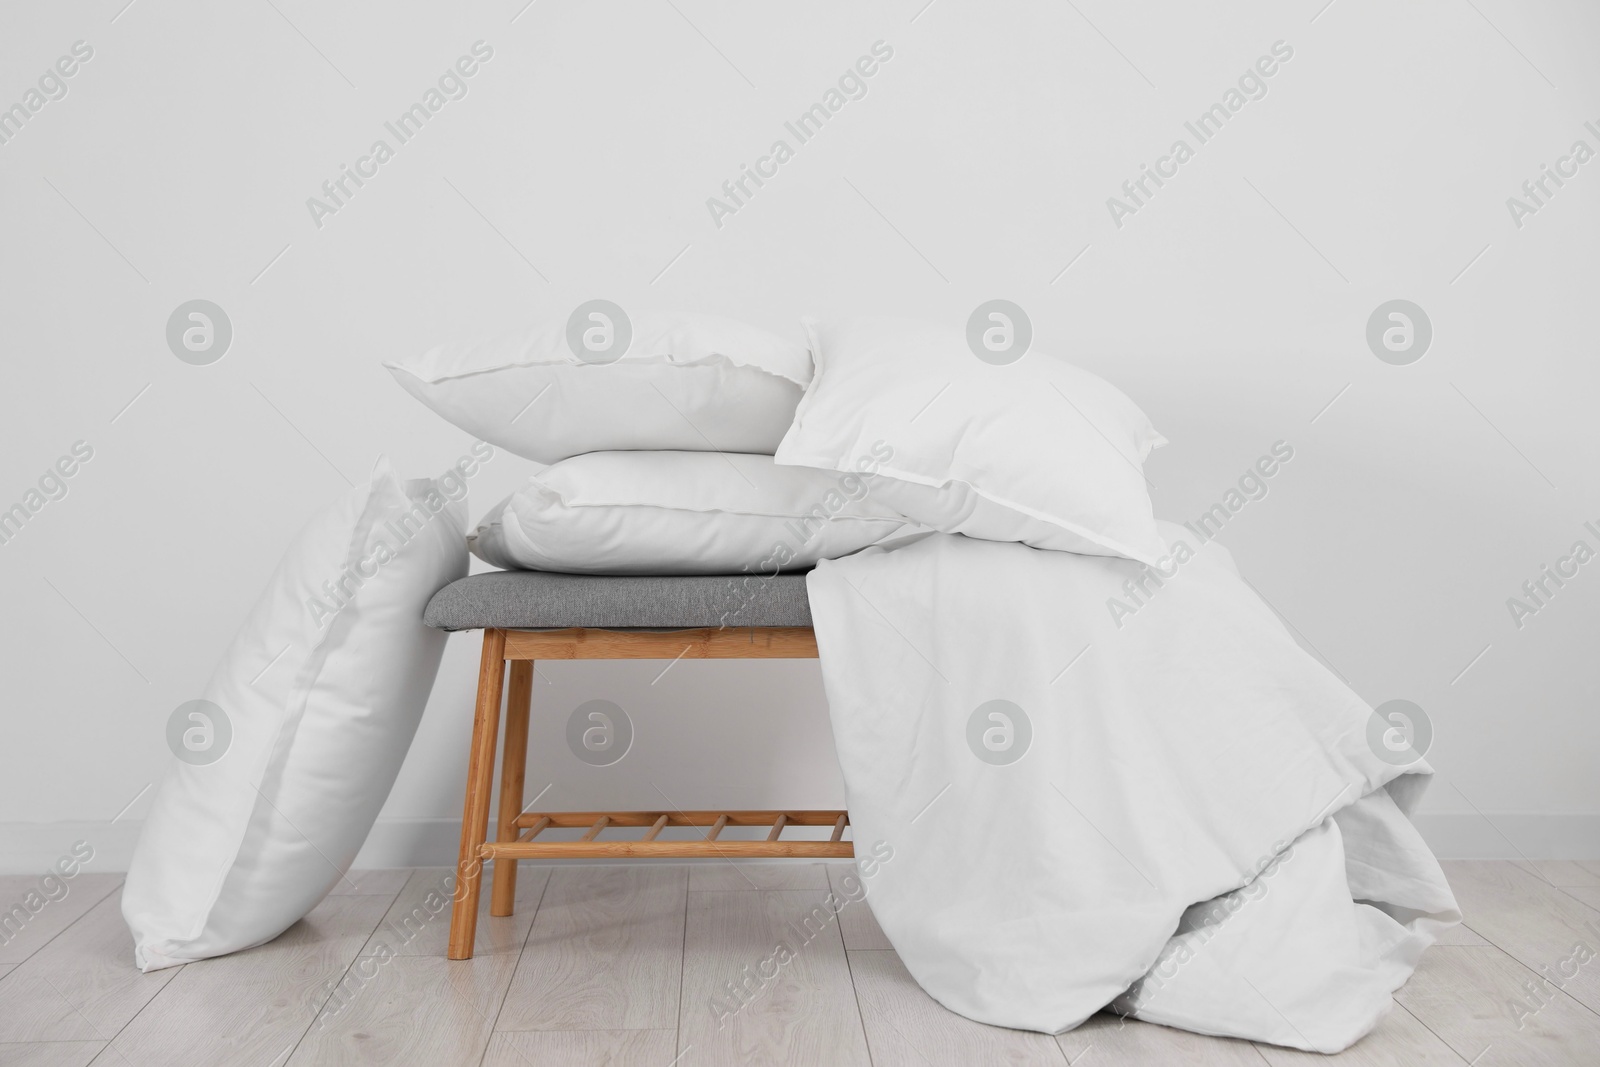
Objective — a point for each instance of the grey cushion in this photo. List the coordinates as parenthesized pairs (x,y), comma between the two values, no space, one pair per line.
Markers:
(538,600)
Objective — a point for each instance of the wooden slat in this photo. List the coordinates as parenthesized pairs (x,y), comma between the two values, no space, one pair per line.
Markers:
(711,845)
(523,850)
(819,817)
(534,831)
(766,642)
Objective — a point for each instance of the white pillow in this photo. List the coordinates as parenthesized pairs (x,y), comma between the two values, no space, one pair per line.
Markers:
(685,381)
(682,513)
(320,693)
(1037,451)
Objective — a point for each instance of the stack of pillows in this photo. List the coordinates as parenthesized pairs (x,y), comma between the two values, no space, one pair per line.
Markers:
(681,443)
(671,444)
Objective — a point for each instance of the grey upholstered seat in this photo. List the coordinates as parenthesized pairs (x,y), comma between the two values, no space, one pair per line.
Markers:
(538,600)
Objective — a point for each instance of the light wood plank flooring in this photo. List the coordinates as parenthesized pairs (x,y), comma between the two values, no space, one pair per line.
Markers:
(659,965)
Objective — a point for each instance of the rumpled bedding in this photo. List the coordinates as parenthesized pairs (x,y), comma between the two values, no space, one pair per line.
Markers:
(1173,813)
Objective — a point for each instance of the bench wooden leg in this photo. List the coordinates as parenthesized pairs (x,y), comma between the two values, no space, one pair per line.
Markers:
(480,790)
(513,764)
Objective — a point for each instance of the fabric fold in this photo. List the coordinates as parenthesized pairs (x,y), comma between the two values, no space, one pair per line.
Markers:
(1171,810)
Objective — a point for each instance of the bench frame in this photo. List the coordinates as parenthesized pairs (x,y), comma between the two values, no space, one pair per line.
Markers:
(517,829)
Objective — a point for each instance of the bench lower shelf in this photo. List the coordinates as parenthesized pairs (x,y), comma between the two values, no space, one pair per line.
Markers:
(533,824)
(505,674)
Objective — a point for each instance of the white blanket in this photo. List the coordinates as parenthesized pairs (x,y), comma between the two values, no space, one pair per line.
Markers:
(1197,831)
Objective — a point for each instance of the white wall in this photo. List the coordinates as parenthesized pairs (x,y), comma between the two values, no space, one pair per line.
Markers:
(1232,307)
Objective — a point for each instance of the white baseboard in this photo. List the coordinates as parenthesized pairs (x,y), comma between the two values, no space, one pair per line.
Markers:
(29,848)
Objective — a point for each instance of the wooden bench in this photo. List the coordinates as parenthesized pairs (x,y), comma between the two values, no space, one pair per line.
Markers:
(493,602)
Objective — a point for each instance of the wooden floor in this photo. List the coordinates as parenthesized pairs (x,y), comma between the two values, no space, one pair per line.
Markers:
(621,965)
